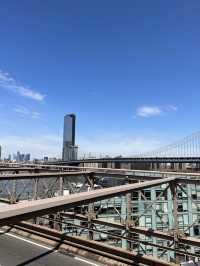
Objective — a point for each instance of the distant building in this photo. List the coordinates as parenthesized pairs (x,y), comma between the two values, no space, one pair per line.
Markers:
(27,157)
(18,157)
(69,148)
(21,157)
(46,158)
(0,152)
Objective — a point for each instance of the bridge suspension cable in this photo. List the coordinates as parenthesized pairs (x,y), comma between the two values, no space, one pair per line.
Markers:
(186,147)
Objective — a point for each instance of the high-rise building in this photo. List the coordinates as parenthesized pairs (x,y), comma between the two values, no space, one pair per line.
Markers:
(27,157)
(69,148)
(46,158)
(20,157)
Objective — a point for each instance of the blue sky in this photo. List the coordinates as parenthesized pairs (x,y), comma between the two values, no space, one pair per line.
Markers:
(128,69)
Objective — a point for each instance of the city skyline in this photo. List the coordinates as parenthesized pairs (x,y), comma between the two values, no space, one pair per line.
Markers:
(129,72)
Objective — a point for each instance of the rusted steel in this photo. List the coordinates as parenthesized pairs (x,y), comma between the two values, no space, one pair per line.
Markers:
(128,238)
(42,175)
(25,169)
(129,172)
(119,254)
(124,174)
(113,170)
(27,210)
(191,181)
(139,230)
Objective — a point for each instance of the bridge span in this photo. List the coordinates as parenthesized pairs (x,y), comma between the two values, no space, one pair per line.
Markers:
(80,220)
(175,156)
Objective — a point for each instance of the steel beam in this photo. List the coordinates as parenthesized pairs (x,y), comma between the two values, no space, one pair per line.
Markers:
(42,175)
(129,239)
(158,174)
(119,254)
(25,169)
(193,181)
(27,210)
(158,159)
(138,230)
(126,176)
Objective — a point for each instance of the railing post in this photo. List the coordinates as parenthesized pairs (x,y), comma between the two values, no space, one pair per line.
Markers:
(170,254)
(128,217)
(153,220)
(13,194)
(90,209)
(35,193)
(173,188)
(61,187)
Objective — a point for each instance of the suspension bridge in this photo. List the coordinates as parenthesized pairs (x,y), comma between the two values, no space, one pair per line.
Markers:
(177,155)
(186,147)
(189,146)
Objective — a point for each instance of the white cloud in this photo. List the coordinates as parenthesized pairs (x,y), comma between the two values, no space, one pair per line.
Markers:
(172,108)
(35,115)
(149,111)
(9,83)
(23,111)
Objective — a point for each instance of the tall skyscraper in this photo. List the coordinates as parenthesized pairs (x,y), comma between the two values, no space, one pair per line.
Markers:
(18,157)
(27,157)
(21,157)
(69,148)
